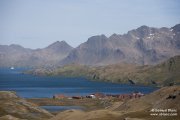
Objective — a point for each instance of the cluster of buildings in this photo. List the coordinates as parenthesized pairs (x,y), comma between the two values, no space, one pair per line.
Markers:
(102,96)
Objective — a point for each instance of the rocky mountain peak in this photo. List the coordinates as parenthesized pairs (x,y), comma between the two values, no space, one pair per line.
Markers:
(14,46)
(114,36)
(143,31)
(95,42)
(97,38)
(176,27)
(60,46)
(143,27)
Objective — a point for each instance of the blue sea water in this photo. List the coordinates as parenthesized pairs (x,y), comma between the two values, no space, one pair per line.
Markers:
(30,86)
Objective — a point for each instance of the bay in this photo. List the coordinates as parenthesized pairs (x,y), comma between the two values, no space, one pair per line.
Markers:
(30,86)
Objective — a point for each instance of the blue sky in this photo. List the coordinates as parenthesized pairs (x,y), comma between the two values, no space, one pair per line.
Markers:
(38,23)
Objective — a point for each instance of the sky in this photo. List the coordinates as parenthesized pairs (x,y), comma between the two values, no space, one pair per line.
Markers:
(39,23)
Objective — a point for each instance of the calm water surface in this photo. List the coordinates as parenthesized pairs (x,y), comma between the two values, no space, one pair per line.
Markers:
(30,86)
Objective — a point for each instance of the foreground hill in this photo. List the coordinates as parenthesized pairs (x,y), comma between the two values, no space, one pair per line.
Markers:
(144,45)
(15,55)
(165,73)
(144,108)
(162,99)
(13,107)
(133,109)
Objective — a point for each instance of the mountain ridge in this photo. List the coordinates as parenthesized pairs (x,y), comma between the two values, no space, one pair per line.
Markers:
(143,46)
(16,55)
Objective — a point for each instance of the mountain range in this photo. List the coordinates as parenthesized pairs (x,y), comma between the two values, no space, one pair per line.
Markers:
(143,46)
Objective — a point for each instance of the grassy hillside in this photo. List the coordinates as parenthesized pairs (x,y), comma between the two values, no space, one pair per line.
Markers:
(162,74)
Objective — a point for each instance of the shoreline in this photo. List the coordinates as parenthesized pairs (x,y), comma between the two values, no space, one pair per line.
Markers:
(96,109)
(91,102)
